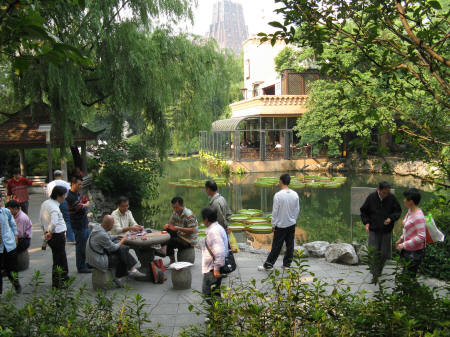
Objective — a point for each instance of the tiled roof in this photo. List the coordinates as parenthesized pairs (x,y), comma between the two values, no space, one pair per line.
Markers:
(21,129)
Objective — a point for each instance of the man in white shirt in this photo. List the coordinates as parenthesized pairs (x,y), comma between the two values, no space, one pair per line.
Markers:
(286,208)
(54,227)
(70,236)
(123,218)
(214,251)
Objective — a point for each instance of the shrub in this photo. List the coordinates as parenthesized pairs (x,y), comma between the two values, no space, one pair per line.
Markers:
(129,170)
(295,303)
(70,313)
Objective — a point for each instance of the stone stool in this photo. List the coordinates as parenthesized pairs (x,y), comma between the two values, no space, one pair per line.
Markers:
(186,255)
(181,277)
(23,260)
(103,280)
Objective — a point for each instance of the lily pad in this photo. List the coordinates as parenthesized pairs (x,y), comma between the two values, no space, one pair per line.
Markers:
(259,229)
(237,227)
(255,221)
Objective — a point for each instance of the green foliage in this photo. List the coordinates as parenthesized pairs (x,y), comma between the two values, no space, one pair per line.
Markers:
(297,59)
(128,170)
(391,56)
(73,313)
(296,303)
(436,262)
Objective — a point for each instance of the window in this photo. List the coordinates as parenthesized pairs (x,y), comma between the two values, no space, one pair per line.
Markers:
(247,69)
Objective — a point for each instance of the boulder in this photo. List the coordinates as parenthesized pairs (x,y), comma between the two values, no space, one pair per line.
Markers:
(362,254)
(316,248)
(342,253)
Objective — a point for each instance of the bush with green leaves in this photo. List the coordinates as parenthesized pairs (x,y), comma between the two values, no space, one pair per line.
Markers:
(129,170)
(296,303)
(436,262)
(72,313)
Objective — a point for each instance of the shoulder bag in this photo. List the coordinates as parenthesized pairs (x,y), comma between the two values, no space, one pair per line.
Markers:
(230,263)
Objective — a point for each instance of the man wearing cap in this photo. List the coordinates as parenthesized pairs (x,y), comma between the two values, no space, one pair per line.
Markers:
(59,181)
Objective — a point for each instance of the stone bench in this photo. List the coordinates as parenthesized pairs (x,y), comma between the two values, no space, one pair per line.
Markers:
(103,280)
(181,275)
(186,255)
(23,260)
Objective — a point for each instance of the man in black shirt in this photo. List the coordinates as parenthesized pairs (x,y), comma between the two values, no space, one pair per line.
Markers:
(379,213)
(79,222)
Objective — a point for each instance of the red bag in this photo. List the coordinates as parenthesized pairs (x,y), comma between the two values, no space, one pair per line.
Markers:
(158,271)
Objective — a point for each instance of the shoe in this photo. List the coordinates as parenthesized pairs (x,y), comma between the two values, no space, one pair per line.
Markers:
(262,268)
(85,271)
(118,282)
(137,274)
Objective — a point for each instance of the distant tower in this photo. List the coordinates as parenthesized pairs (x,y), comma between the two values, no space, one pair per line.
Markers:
(228,25)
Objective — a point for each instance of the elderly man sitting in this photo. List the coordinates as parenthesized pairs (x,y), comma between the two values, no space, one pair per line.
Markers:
(102,253)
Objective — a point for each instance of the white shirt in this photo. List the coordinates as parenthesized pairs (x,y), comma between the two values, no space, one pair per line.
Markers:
(218,244)
(286,207)
(122,221)
(57,182)
(52,220)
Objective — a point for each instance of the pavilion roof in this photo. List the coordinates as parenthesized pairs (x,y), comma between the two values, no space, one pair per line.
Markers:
(20,130)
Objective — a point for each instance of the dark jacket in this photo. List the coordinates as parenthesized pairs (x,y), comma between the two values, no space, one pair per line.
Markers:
(375,211)
(77,211)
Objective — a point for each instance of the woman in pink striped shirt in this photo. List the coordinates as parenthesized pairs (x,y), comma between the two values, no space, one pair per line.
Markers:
(412,243)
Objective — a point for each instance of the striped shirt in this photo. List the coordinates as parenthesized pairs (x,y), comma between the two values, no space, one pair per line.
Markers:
(414,234)
(186,219)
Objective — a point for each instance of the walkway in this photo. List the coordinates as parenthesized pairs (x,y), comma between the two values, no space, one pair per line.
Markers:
(169,307)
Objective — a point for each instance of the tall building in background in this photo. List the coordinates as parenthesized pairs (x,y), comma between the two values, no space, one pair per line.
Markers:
(228,25)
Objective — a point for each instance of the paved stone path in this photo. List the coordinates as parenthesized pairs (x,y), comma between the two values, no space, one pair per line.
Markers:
(169,307)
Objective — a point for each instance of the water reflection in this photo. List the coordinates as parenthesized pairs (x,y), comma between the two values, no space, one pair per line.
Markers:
(324,215)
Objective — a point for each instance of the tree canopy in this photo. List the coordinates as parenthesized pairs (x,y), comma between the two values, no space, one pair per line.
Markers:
(387,56)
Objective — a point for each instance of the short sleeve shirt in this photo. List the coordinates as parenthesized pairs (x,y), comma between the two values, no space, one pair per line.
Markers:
(186,219)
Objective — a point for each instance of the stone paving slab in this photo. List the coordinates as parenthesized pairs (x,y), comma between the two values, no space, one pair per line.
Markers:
(169,307)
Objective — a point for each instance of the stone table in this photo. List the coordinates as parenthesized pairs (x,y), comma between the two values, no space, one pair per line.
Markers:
(144,246)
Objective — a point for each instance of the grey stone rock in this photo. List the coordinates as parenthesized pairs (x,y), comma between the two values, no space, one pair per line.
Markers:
(243,247)
(342,253)
(305,251)
(362,254)
(316,248)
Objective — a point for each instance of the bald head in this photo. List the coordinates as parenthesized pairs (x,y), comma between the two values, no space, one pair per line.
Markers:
(107,222)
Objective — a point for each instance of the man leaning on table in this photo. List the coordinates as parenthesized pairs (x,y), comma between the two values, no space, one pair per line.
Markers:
(123,218)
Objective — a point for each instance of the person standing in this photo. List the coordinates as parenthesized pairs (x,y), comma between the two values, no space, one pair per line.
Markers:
(182,227)
(379,213)
(214,251)
(219,203)
(54,228)
(59,181)
(285,211)
(8,250)
(79,221)
(17,189)
(411,244)
(24,226)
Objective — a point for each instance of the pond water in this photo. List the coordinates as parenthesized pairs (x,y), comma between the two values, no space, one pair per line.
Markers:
(324,215)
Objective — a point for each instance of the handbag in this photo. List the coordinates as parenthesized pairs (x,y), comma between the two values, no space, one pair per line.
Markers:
(230,263)
(433,234)
(158,271)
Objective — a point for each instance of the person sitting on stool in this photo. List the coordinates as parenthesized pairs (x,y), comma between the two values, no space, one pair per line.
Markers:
(24,225)
(102,253)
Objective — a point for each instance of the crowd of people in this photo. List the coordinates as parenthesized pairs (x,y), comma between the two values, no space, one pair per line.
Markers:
(64,218)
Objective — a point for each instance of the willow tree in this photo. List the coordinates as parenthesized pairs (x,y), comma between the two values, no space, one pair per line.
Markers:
(127,62)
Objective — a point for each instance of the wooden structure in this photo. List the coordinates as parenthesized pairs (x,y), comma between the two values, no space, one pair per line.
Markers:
(23,130)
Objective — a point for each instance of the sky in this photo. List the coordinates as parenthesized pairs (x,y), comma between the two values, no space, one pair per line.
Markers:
(257,14)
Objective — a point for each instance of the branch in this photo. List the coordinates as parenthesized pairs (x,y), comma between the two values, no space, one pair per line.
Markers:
(96,101)
(428,139)
(418,42)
